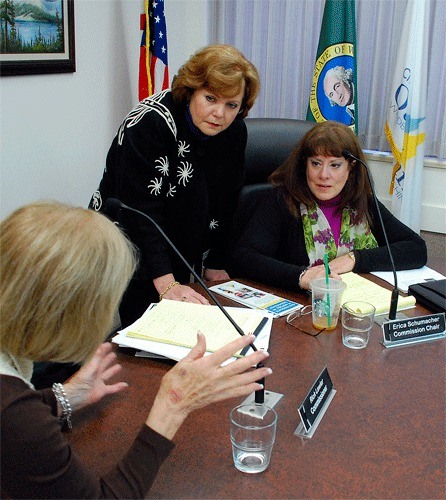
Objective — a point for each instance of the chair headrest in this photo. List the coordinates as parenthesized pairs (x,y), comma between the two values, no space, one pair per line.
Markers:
(270,141)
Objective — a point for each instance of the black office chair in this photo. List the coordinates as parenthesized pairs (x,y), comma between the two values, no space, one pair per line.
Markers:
(270,142)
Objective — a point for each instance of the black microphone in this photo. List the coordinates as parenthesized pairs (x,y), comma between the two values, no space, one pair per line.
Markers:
(394,298)
(113,206)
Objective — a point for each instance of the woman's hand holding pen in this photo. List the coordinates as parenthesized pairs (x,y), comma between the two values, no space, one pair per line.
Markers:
(198,380)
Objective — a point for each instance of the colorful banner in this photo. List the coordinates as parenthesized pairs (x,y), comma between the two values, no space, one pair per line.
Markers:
(406,115)
(333,88)
(153,66)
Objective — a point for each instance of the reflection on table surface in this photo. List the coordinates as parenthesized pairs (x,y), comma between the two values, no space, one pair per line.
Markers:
(383,435)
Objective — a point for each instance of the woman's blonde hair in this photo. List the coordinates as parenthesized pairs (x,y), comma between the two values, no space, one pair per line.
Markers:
(221,69)
(63,272)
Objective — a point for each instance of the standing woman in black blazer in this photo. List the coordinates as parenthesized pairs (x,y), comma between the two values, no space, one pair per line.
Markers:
(179,158)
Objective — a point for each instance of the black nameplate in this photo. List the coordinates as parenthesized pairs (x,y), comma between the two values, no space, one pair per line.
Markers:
(315,399)
(409,329)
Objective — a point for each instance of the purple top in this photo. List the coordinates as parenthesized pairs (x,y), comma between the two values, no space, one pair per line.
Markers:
(334,218)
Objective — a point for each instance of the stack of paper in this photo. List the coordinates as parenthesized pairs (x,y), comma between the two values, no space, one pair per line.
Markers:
(410,277)
(170,328)
(359,288)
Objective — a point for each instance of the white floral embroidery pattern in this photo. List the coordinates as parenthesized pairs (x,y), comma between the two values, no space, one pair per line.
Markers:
(96,202)
(163,165)
(213,224)
(184,172)
(183,148)
(172,190)
(155,186)
(152,103)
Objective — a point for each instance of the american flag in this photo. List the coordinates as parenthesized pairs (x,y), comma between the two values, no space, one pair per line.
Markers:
(153,66)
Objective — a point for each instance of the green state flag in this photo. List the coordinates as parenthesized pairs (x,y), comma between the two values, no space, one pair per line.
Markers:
(333,88)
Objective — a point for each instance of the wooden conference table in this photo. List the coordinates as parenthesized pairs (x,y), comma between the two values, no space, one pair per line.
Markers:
(383,435)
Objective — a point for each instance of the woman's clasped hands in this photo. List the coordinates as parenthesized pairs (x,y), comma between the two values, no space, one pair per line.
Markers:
(337,266)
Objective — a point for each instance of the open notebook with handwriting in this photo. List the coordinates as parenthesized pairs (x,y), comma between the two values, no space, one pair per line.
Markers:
(360,288)
(170,328)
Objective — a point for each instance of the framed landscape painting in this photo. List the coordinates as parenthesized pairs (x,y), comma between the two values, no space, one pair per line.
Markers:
(37,37)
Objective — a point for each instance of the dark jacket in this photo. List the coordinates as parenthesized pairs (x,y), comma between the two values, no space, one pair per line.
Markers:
(38,462)
(188,183)
(272,248)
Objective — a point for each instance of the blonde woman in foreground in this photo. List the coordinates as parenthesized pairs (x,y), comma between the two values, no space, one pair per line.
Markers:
(63,272)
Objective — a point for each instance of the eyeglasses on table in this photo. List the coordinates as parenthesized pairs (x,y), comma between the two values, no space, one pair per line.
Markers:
(295,315)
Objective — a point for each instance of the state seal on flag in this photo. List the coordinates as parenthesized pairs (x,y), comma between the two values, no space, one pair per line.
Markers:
(332,94)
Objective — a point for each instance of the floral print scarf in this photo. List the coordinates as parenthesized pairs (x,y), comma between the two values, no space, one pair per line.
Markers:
(355,234)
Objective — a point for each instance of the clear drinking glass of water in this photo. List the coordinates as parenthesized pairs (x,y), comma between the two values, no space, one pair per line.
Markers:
(253,432)
(357,321)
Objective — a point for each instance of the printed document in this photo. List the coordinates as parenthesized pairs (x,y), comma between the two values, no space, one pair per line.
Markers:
(410,277)
(255,298)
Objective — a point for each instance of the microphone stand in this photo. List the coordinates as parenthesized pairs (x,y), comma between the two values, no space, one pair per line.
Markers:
(113,204)
(394,297)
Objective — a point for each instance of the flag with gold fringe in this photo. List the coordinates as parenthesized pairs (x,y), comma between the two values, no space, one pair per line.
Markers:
(153,61)
(333,87)
(406,113)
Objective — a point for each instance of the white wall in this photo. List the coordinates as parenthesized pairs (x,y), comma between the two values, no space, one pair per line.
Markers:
(56,129)
(433,197)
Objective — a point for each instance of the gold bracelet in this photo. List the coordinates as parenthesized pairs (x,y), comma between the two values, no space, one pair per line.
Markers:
(168,288)
(352,256)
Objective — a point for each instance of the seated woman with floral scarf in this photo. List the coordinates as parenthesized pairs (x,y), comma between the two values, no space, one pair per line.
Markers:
(321,203)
